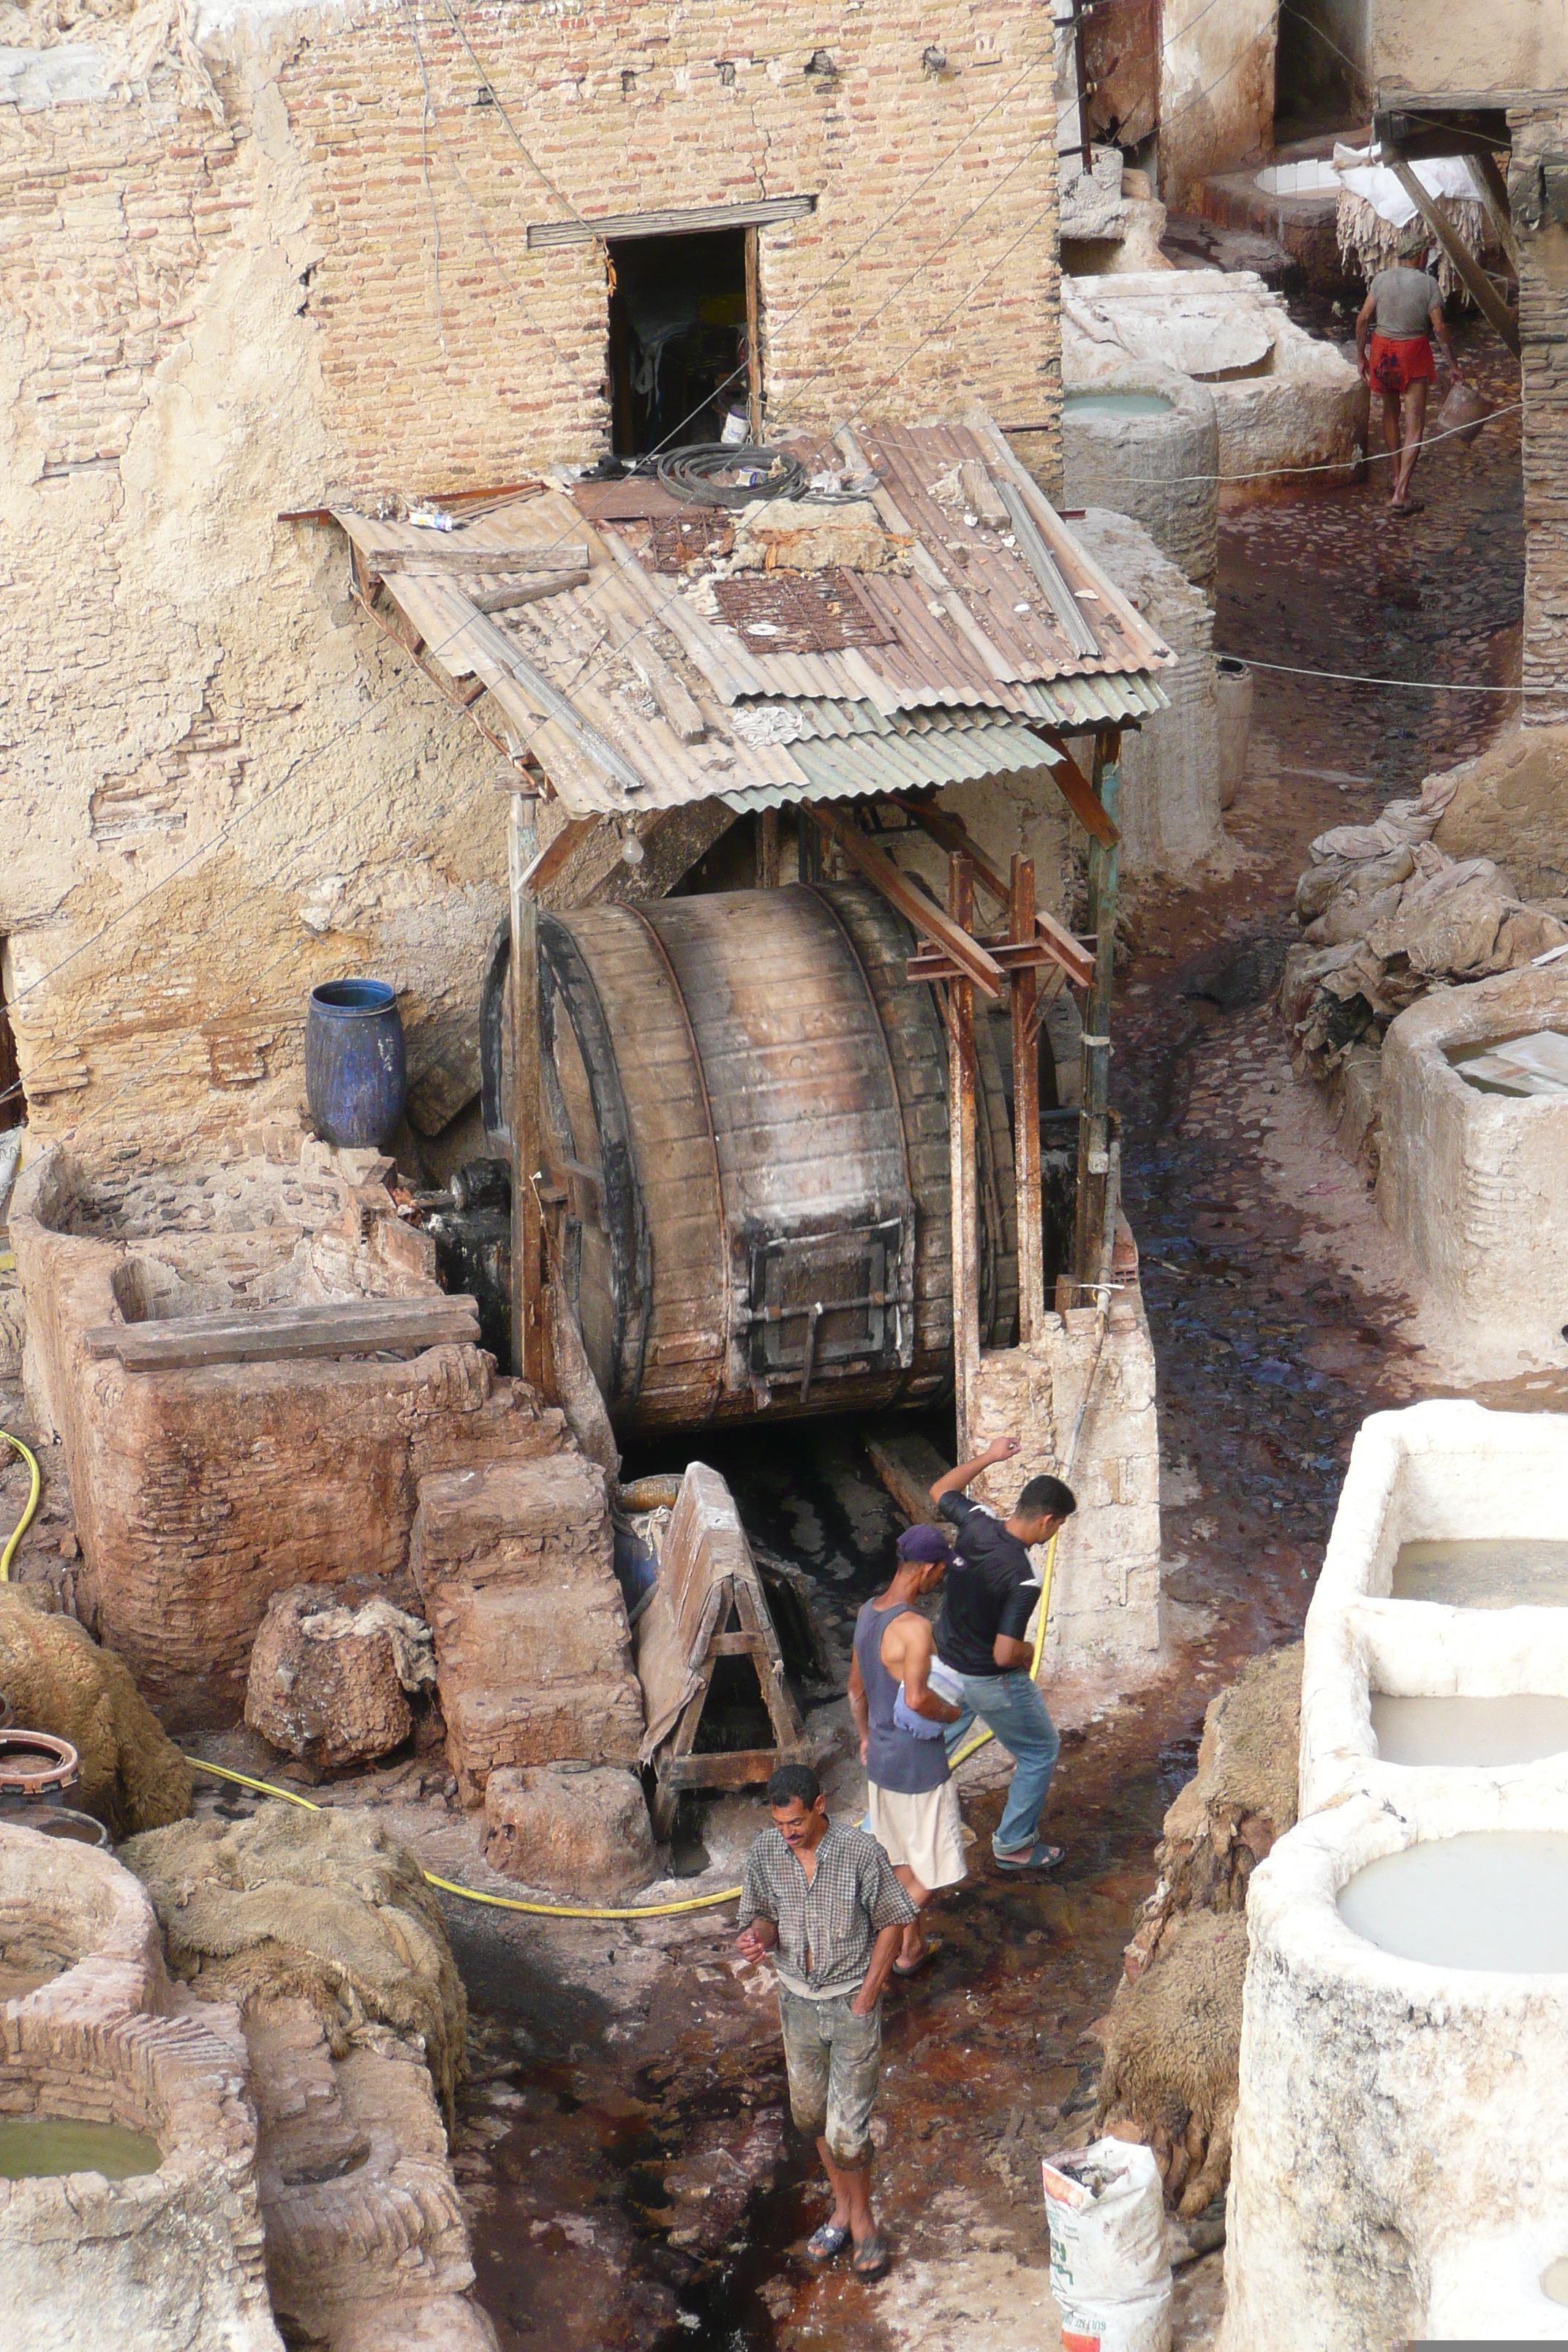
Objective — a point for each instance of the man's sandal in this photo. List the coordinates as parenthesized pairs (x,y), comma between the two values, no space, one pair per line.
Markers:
(870,2257)
(824,2244)
(1039,1857)
(931,1947)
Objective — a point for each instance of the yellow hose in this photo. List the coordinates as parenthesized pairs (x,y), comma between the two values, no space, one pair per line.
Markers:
(471,1893)
(25,1521)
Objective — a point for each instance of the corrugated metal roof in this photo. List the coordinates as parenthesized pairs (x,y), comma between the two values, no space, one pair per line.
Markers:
(904,758)
(587,677)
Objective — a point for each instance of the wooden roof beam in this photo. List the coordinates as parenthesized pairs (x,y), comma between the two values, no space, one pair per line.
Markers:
(928,920)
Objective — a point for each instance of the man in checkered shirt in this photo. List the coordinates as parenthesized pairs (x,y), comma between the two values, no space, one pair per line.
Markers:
(824,1899)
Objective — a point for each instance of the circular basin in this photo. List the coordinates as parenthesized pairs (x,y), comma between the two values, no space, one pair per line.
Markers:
(1115,403)
(1489,1899)
(39,2146)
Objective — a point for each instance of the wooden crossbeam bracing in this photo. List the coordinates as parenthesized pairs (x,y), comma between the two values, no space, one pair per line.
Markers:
(951,834)
(954,938)
(1488,301)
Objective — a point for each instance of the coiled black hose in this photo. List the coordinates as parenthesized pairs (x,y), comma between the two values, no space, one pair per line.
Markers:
(691,473)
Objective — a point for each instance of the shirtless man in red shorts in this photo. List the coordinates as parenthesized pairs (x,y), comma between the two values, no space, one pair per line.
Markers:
(1404,303)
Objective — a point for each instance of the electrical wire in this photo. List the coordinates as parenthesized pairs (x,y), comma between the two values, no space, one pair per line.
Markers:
(1413,685)
(1269,473)
(472,1893)
(25,1521)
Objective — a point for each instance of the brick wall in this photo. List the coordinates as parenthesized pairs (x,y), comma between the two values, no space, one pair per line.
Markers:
(224,303)
(1543,334)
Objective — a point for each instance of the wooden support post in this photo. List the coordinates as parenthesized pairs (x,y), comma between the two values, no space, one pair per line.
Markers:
(768,849)
(1023,988)
(1493,188)
(754,337)
(961,1162)
(532,1355)
(1478,284)
(1094,1125)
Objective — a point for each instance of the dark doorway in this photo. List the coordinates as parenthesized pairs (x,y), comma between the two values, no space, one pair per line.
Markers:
(678,350)
(13,1103)
(1320,74)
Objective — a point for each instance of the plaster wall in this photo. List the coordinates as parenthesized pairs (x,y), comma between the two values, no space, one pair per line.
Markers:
(1216,95)
(1105,1600)
(1537,204)
(1476,1185)
(1513,44)
(282,254)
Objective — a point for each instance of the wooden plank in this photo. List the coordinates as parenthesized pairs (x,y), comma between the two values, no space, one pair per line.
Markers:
(953,834)
(558,854)
(454,551)
(754,337)
(1094,1124)
(340,1327)
(908,1465)
(1011,955)
(1024,987)
(1079,793)
(656,674)
(963,1172)
(982,493)
(953,939)
(768,849)
(1493,190)
(544,235)
(553,584)
(531,1354)
(739,1767)
(1477,283)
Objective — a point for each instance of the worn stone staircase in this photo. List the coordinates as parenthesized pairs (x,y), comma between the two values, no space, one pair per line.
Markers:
(514,1565)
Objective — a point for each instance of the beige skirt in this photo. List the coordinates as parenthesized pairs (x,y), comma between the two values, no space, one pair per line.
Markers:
(925,1833)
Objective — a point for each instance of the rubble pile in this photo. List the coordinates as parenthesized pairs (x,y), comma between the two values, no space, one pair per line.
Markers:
(1386,914)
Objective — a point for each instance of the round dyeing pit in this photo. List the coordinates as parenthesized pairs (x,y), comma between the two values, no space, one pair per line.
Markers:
(38,2148)
(1491,1899)
(1115,403)
(1518,1728)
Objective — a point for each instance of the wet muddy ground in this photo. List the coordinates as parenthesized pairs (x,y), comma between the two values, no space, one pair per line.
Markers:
(625,2144)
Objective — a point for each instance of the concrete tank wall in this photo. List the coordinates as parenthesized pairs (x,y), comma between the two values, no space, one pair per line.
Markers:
(1476,1185)
(1164,471)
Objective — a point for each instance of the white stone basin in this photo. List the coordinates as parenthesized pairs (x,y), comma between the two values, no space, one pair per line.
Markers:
(1400,2170)
(1315,178)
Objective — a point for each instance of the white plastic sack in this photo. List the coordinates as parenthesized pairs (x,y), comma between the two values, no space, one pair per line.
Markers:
(1110,2274)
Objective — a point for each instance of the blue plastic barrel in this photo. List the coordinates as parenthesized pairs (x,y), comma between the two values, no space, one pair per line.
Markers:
(355,1079)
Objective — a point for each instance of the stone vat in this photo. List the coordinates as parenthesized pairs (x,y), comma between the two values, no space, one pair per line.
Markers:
(1399,2168)
(169,2260)
(1476,1185)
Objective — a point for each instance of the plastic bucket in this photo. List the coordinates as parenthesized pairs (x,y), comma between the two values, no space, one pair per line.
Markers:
(356,1079)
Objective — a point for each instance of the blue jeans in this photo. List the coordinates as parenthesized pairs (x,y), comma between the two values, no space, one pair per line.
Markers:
(1011,1707)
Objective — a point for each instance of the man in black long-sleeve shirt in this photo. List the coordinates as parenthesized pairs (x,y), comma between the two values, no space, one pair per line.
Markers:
(992,1594)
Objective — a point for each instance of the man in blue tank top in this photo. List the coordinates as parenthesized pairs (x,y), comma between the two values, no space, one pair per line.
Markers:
(913,1805)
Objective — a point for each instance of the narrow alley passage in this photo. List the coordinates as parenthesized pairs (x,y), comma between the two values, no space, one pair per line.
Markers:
(626,2139)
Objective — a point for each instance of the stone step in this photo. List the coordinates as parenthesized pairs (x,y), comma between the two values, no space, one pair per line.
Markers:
(535,1722)
(525,1521)
(500,1633)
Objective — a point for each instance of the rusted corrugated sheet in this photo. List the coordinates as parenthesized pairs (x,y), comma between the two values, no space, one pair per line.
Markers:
(983,623)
